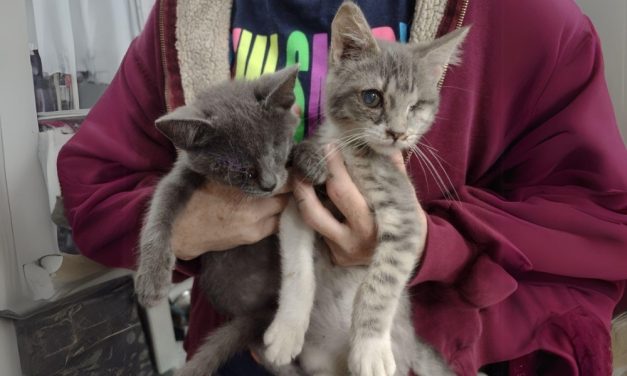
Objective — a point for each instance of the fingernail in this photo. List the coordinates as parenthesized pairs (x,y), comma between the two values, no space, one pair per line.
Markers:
(296,109)
(255,357)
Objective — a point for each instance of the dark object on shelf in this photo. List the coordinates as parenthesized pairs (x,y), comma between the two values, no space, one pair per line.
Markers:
(61,85)
(43,96)
(95,332)
(44,101)
(65,241)
(89,90)
(179,309)
(35,63)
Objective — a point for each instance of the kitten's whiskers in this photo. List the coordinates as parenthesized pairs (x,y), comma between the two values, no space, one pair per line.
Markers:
(435,173)
(351,139)
(422,167)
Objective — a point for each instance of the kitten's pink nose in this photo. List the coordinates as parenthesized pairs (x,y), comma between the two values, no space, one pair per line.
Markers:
(395,135)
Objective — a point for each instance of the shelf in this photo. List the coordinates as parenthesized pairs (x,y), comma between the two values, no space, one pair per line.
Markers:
(77,273)
(70,114)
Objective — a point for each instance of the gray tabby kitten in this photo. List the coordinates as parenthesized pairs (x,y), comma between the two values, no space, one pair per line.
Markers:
(381,97)
(239,133)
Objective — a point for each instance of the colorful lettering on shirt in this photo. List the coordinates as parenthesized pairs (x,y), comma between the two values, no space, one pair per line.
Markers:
(255,55)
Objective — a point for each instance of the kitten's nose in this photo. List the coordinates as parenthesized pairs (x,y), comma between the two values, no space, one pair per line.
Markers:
(268,184)
(395,135)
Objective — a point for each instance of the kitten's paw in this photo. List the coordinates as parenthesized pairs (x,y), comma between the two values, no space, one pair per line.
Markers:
(320,177)
(371,357)
(284,340)
(310,162)
(152,288)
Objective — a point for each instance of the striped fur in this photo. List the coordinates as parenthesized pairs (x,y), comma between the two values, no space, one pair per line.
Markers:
(359,318)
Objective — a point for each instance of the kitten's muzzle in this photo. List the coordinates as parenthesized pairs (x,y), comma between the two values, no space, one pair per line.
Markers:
(268,185)
(396,135)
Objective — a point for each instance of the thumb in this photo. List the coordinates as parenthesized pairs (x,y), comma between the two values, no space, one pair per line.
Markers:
(399,162)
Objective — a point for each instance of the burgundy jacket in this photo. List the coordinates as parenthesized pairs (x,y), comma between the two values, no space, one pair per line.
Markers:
(532,256)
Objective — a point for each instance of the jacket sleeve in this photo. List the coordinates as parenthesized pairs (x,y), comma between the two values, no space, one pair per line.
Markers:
(557,201)
(109,169)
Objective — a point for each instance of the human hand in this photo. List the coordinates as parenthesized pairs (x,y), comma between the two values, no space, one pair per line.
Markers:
(219,217)
(351,242)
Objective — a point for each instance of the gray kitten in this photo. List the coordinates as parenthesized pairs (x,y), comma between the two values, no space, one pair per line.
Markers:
(381,97)
(239,133)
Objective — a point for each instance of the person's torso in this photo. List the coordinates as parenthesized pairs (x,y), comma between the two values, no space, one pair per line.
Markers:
(267,35)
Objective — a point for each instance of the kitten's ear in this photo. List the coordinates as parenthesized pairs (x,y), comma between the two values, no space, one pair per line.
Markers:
(186,127)
(277,89)
(443,51)
(351,37)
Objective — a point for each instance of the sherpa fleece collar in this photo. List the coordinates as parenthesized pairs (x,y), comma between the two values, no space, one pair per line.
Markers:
(195,37)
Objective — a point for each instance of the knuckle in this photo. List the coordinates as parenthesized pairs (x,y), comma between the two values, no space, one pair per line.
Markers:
(338,254)
(282,200)
(341,262)
(367,233)
(338,259)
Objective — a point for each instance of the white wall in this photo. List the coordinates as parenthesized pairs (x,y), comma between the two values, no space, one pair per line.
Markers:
(23,194)
(610,19)
(9,360)
(28,200)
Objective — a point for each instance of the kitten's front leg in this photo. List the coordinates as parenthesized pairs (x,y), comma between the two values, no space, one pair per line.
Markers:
(153,276)
(285,336)
(156,259)
(401,237)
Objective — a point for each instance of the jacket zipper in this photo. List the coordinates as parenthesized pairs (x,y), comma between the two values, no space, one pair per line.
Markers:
(458,25)
(163,54)
(462,14)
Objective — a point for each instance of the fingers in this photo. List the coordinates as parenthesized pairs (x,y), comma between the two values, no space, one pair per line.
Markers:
(399,162)
(346,196)
(260,230)
(287,187)
(316,215)
(260,218)
(355,252)
(268,227)
(296,110)
(268,207)
(338,256)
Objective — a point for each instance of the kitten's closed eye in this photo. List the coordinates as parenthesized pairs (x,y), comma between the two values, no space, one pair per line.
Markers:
(421,104)
(249,173)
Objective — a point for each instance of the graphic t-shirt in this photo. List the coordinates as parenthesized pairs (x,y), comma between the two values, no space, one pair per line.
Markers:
(267,35)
